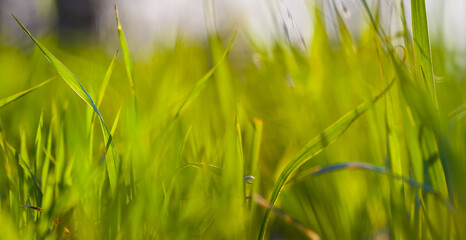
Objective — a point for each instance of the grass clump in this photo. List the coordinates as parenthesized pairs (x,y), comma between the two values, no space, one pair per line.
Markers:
(344,139)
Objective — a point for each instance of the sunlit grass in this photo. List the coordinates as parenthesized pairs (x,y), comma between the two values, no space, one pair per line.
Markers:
(337,140)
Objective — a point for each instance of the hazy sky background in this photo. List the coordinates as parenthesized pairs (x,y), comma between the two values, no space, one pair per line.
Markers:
(146,21)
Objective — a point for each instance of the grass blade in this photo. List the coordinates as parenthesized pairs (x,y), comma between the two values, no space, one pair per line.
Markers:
(258,125)
(314,147)
(38,158)
(103,89)
(47,159)
(14,97)
(125,52)
(422,52)
(75,84)
(366,166)
(23,165)
(62,70)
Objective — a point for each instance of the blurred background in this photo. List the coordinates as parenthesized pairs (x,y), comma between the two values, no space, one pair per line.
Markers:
(154,23)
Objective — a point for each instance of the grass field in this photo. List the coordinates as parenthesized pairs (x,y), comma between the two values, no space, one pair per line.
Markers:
(343,139)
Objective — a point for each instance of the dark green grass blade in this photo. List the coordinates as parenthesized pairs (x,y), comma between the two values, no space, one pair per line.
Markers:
(75,84)
(314,147)
(14,97)
(421,44)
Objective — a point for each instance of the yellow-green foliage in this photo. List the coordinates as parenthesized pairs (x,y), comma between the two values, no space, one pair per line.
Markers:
(348,140)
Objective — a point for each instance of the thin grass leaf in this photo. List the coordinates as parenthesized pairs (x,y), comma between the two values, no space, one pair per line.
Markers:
(422,51)
(366,166)
(314,147)
(125,52)
(334,167)
(256,144)
(38,157)
(23,164)
(103,87)
(14,97)
(62,70)
(254,158)
(75,84)
(200,85)
(47,159)
(38,143)
(100,98)
(377,29)
(115,122)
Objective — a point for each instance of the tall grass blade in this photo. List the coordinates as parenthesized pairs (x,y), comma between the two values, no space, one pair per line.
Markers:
(256,144)
(14,97)
(47,159)
(125,52)
(100,98)
(422,51)
(314,147)
(75,84)
(103,87)
(38,158)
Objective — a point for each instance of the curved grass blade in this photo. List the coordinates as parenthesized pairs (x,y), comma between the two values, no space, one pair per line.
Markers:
(314,147)
(334,167)
(366,166)
(62,70)
(14,97)
(75,84)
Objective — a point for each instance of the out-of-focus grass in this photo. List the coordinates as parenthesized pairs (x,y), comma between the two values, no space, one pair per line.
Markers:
(213,133)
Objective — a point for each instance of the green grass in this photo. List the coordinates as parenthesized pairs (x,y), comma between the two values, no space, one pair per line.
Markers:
(353,139)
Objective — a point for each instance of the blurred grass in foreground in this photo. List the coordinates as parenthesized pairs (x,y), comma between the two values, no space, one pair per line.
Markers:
(197,140)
